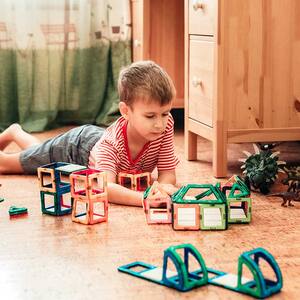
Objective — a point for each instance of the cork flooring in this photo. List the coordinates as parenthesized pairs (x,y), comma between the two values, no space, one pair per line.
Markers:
(45,257)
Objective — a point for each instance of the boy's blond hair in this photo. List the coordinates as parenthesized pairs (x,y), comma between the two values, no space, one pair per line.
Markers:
(145,80)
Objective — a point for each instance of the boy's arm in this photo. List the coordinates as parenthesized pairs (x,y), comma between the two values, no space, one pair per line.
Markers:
(120,195)
(168,177)
(167,180)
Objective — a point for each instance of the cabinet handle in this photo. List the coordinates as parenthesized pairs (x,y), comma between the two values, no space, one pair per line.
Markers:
(196,82)
(197,5)
(136,43)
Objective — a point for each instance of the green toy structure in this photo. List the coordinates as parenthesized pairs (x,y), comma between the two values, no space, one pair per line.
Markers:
(239,204)
(13,210)
(184,279)
(209,195)
(236,188)
(210,207)
(199,206)
(259,286)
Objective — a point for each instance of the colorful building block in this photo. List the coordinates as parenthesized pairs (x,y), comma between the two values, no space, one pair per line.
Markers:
(238,201)
(206,206)
(199,206)
(213,216)
(136,181)
(55,187)
(186,216)
(89,191)
(184,278)
(14,211)
(157,205)
(239,210)
(235,187)
(198,193)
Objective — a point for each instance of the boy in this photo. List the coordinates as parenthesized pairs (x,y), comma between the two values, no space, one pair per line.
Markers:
(141,139)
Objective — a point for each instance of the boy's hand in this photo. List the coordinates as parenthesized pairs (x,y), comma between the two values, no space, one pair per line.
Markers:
(156,195)
(158,190)
(167,180)
(170,189)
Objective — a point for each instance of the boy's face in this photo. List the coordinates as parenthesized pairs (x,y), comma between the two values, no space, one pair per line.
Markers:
(146,119)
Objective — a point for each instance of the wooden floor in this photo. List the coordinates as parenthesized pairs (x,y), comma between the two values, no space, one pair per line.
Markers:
(45,257)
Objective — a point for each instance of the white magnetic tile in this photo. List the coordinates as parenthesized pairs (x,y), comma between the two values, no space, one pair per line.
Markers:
(156,274)
(230,280)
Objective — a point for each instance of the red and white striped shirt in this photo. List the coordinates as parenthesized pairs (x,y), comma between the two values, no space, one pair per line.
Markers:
(111,152)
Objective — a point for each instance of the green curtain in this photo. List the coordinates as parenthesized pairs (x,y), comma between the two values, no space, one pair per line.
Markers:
(45,85)
(42,89)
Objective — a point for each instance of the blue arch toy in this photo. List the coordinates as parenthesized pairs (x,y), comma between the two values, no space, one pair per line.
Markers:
(184,279)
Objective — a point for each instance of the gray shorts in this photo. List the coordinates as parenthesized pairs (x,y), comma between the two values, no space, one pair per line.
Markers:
(73,146)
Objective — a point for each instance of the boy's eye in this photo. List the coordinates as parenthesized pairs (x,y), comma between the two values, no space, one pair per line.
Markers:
(166,115)
(149,116)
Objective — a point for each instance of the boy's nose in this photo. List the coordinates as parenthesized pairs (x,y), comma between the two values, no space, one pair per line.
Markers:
(158,124)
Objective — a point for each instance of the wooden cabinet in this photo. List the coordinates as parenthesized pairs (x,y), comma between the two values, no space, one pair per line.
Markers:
(158,35)
(242,74)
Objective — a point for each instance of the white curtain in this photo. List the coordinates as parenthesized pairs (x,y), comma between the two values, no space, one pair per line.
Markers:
(31,23)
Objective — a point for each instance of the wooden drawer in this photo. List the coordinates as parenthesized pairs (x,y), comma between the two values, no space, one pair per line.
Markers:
(201,68)
(202,14)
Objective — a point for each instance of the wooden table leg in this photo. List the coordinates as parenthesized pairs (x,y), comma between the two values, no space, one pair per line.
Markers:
(219,153)
(190,145)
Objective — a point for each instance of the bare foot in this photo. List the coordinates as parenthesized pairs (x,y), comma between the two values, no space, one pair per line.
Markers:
(15,133)
(7,136)
(10,163)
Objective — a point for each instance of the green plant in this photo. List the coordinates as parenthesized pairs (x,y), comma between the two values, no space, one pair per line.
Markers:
(261,168)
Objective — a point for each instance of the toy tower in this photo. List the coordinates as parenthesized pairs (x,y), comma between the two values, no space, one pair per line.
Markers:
(55,187)
(89,190)
(134,180)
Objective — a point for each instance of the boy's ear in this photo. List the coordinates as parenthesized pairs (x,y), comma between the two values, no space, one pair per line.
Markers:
(123,107)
